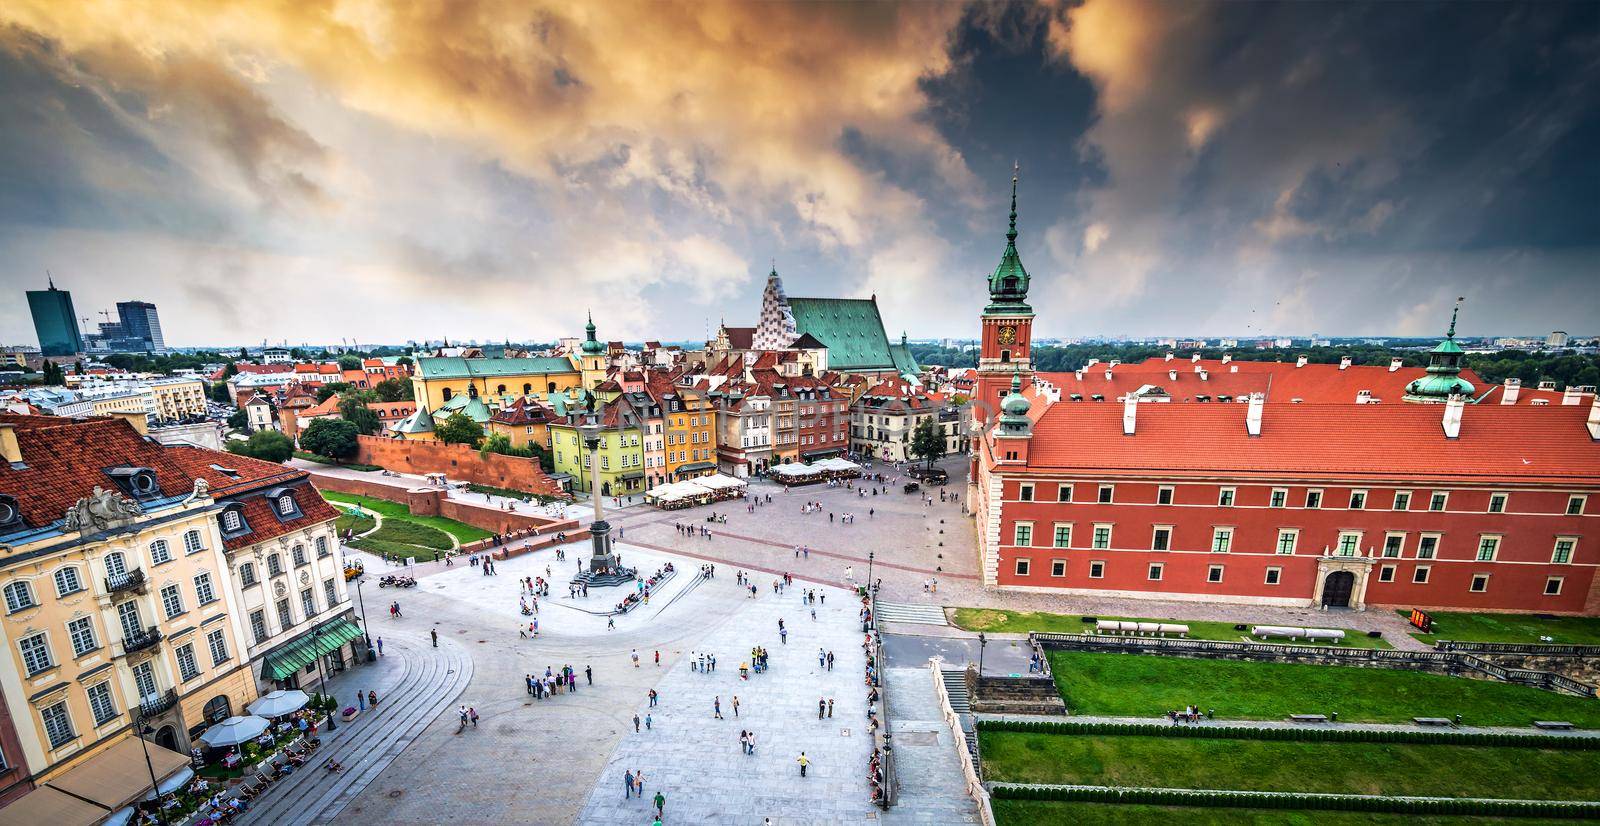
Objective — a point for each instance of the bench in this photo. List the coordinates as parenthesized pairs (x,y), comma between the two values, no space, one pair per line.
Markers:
(1433,721)
(1553,725)
(1309,718)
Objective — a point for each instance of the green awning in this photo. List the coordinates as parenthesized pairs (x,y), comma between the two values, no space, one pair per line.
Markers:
(304,650)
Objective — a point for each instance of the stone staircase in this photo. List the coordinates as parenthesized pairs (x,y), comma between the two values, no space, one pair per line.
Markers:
(622,576)
(906,612)
(1033,694)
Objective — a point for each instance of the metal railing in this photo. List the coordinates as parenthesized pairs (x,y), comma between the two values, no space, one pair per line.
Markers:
(151,706)
(130,580)
(1449,661)
(1530,649)
(139,642)
(891,782)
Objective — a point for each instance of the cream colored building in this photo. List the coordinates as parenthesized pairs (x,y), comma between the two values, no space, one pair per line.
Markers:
(178,397)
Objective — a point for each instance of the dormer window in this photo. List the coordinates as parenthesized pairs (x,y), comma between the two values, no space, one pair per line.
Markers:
(284,504)
(232,522)
(10,514)
(137,482)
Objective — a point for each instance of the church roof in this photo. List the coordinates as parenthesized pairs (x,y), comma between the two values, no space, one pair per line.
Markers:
(904,363)
(472,406)
(807,341)
(851,328)
(739,338)
(462,368)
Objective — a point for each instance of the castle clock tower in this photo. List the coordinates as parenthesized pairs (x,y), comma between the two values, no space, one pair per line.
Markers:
(1007,328)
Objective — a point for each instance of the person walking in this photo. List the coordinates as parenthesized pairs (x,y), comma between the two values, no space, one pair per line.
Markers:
(588,673)
(635,723)
(830,660)
(627,785)
(822,658)
(434,632)
(803,761)
(822,705)
(830,708)
(652,698)
(658,658)
(635,658)
(736,705)
(380,646)
(661,804)
(716,708)
(783,636)
(472,713)
(647,721)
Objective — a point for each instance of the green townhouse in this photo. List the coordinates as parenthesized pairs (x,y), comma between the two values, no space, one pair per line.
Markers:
(620,452)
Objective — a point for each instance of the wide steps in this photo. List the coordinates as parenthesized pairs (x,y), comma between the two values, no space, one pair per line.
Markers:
(907,612)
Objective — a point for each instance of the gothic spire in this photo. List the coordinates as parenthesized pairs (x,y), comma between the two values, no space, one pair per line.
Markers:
(1457,311)
(1016,169)
(1008,285)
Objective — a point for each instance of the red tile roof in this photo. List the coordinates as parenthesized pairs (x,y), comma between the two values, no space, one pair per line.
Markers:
(740,338)
(65,459)
(1311,384)
(1401,441)
(1185,387)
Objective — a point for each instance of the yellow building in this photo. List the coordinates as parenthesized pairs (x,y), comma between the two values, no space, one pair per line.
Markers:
(525,423)
(120,591)
(497,382)
(131,401)
(178,397)
(691,433)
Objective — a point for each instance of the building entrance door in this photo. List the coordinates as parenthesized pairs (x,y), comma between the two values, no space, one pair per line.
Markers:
(1336,589)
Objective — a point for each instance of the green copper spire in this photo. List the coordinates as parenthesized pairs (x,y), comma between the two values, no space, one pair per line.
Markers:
(590,345)
(1444,370)
(1008,285)
(1014,409)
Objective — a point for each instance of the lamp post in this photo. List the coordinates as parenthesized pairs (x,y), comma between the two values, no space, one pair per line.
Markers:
(601,559)
(869,571)
(983,642)
(145,731)
(316,635)
(362,602)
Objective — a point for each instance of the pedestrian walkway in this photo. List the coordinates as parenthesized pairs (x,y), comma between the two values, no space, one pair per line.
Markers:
(932,789)
(696,760)
(420,682)
(1272,724)
(906,612)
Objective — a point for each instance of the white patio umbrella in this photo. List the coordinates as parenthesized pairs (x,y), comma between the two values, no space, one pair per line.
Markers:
(279,703)
(233,731)
(173,783)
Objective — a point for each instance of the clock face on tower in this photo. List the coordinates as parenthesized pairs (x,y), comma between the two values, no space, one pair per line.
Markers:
(1007,334)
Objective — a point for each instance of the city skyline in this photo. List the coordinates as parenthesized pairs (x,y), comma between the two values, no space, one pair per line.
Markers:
(1191,170)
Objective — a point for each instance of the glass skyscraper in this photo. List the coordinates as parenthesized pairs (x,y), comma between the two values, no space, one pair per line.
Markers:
(55,321)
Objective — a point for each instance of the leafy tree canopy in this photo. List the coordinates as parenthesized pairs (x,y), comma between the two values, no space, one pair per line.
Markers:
(266,445)
(334,438)
(460,429)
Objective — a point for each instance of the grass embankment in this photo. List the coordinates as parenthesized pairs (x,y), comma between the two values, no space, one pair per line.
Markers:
(1513,628)
(1021,622)
(355,522)
(513,494)
(395,510)
(1276,766)
(1051,813)
(1147,686)
(326,460)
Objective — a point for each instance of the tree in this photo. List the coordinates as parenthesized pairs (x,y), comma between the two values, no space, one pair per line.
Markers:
(927,442)
(77,367)
(266,445)
(238,419)
(230,371)
(353,409)
(219,393)
(331,389)
(404,361)
(244,354)
(334,438)
(393,390)
(53,374)
(349,363)
(459,429)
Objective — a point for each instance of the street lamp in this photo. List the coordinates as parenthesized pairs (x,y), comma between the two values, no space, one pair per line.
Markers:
(316,635)
(869,571)
(983,642)
(155,786)
(362,601)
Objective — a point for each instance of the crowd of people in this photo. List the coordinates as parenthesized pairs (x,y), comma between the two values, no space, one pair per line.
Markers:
(641,593)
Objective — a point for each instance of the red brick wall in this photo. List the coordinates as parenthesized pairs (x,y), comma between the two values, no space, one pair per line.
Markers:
(458,463)
(432,502)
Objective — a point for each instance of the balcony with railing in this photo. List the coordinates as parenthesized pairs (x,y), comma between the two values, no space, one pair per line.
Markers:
(139,642)
(156,704)
(130,581)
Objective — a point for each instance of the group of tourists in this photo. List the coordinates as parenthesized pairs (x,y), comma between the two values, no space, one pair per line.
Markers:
(564,681)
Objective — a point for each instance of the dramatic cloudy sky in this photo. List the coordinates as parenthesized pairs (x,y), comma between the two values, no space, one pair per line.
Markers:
(316,169)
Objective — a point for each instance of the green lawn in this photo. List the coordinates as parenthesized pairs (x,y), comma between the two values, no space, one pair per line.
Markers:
(1510,628)
(412,533)
(355,521)
(512,494)
(1148,685)
(394,510)
(1278,766)
(1055,813)
(1022,622)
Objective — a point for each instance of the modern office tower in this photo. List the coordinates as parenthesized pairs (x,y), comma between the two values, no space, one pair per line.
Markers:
(55,321)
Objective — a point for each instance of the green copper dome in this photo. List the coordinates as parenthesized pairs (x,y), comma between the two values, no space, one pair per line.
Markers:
(1008,285)
(1444,371)
(591,347)
(1014,404)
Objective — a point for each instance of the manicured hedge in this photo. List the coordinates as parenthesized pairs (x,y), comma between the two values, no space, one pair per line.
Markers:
(1312,735)
(1320,802)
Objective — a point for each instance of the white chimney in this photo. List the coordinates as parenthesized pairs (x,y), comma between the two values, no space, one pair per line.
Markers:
(1301,362)
(1344,362)
(1204,376)
(1233,368)
(1452,415)
(1227,357)
(1395,364)
(1594,419)
(1107,374)
(1091,363)
(1547,384)
(1172,375)
(1130,410)
(1363,396)
(1198,368)
(1195,359)
(1168,357)
(1571,396)
(1079,374)
(1512,390)
(1252,416)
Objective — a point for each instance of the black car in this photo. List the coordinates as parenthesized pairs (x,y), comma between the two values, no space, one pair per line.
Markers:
(912,487)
